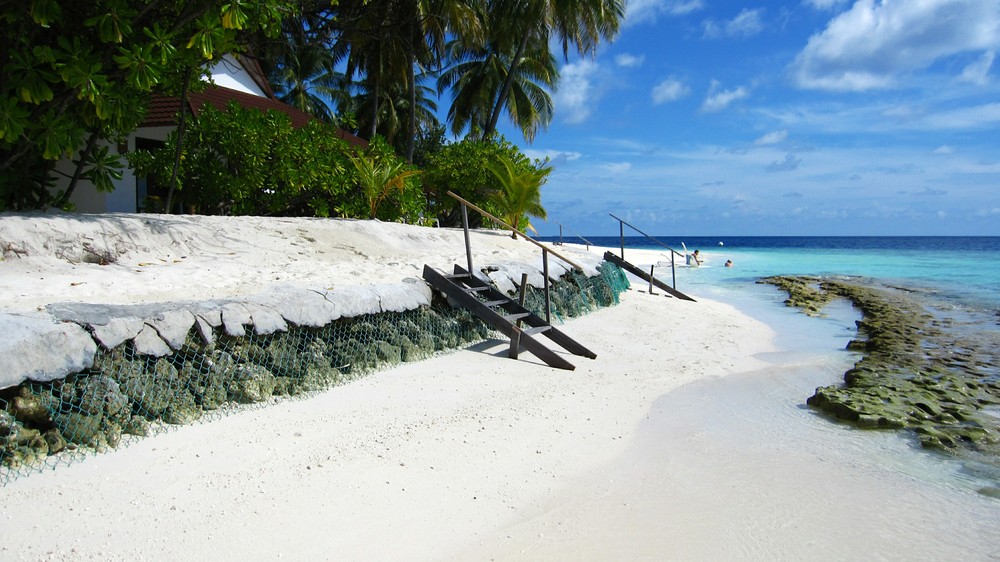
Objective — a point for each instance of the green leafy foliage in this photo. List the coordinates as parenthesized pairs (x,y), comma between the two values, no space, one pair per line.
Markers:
(101,167)
(463,168)
(521,190)
(381,176)
(72,69)
(245,162)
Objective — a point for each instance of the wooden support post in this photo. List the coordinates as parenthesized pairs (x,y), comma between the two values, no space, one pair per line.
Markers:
(468,245)
(673,270)
(651,279)
(515,342)
(545,272)
(515,336)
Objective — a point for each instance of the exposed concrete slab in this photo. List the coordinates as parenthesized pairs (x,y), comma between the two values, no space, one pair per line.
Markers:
(149,342)
(173,326)
(40,348)
(64,338)
(116,331)
(266,320)
(235,317)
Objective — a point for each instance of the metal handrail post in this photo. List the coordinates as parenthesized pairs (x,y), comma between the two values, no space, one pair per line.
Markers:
(468,244)
(570,230)
(622,223)
(523,235)
(621,235)
(545,272)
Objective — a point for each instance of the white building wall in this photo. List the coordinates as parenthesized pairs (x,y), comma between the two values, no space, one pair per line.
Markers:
(229,73)
(86,198)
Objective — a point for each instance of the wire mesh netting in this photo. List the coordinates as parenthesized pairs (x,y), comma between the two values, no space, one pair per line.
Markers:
(126,396)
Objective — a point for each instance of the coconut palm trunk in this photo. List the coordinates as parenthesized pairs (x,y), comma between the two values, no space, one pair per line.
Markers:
(505,89)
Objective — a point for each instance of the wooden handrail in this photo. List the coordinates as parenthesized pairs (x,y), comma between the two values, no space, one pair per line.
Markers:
(526,237)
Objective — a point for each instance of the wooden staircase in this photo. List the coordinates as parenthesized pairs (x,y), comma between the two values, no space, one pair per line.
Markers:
(505,315)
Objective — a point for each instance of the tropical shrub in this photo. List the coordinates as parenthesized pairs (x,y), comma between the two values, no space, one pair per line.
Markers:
(521,190)
(76,73)
(383,177)
(463,168)
(247,162)
(382,186)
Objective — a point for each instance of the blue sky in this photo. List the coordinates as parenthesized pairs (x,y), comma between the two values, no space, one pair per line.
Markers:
(816,117)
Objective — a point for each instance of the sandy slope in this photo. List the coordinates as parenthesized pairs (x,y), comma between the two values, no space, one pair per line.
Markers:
(466,456)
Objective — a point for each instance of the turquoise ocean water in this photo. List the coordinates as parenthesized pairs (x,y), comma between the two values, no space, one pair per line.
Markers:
(964,271)
(954,276)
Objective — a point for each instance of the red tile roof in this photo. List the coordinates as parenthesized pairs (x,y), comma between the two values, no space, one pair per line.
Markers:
(162,110)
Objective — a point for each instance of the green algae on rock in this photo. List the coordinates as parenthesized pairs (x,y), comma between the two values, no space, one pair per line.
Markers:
(916,372)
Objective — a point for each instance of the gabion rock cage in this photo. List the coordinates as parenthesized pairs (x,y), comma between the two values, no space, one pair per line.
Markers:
(126,396)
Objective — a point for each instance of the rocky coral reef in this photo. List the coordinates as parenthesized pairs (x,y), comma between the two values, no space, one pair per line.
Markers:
(917,371)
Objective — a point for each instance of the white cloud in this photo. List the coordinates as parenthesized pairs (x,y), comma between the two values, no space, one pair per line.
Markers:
(944,149)
(773,137)
(683,7)
(789,163)
(554,156)
(975,117)
(573,100)
(618,167)
(825,4)
(710,29)
(643,11)
(718,100)
(746,24)
(875,43)
(669,90)
(978,72)
(629,61)
(878,118)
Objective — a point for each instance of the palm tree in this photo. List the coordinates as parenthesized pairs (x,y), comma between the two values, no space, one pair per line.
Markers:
(431,23)
(392,44)
(521,191)
(395,117)
(480,74)
(380,178)
(300,68)
(582,23)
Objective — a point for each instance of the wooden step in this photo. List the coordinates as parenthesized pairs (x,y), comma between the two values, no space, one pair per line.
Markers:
(461,295)
(516,316)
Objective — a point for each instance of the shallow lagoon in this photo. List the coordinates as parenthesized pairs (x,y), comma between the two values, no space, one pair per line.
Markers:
(751,448)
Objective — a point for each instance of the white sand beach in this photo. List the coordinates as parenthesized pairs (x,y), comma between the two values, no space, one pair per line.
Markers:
(672,444)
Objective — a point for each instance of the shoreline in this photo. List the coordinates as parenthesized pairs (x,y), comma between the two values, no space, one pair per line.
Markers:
(679,441)
(434,452)
(672,444)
